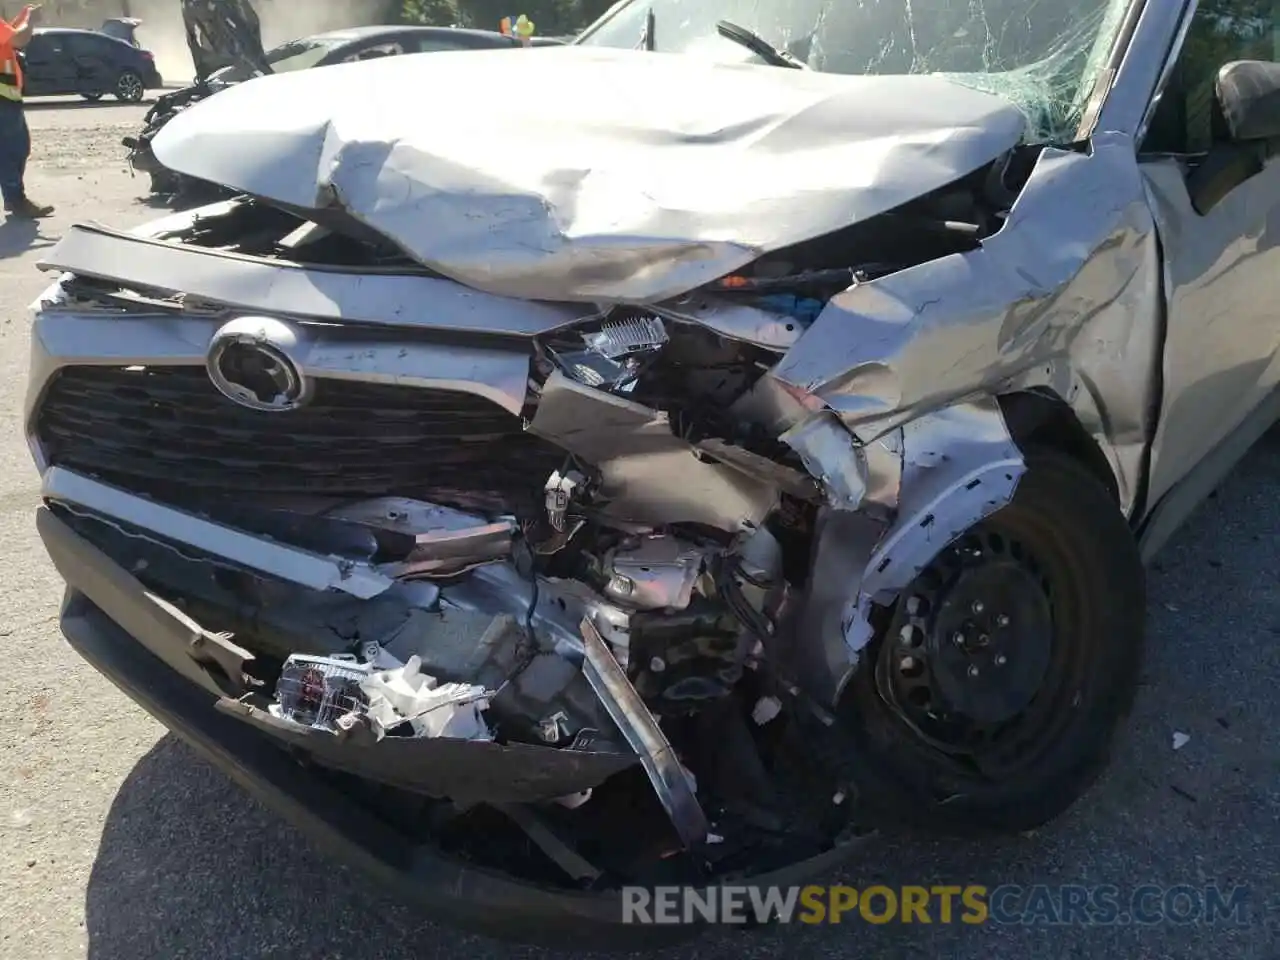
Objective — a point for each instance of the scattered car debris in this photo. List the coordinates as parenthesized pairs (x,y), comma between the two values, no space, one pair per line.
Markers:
(332,693)
(406,695)
(765,710)
(1180,740)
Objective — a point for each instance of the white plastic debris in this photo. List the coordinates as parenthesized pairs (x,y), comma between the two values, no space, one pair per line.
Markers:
(431,708)
(379,658)
(574,800)
(1180,740)
(766,709)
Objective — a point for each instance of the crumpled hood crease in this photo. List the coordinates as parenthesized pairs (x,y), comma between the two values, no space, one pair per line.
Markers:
(614,175)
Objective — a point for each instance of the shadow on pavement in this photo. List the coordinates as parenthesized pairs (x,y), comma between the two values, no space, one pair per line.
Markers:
(179,203)
(188,865)
(19,236)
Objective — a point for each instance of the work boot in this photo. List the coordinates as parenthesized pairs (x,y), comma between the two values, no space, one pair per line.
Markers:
(24,209)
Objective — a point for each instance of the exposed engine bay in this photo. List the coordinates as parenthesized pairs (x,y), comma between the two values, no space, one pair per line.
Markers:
(597,603)
(141,159)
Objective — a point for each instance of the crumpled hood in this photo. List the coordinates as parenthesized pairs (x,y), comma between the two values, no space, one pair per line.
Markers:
(588,173)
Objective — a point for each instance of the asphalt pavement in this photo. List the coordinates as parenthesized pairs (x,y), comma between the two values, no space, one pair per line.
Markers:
(116,843)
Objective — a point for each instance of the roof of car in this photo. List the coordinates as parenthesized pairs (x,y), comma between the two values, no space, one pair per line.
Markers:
(76,31)
(350,34)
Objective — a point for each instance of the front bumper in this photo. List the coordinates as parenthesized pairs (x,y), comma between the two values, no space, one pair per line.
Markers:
(109,620)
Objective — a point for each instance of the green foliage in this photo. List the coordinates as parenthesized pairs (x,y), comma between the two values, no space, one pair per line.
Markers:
(552,17)
(433,13)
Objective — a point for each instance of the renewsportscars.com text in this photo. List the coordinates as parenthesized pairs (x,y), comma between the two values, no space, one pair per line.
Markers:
(972,904)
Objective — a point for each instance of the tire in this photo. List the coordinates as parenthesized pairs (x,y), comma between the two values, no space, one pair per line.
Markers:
(1066,518)
(129,87)
(92,97)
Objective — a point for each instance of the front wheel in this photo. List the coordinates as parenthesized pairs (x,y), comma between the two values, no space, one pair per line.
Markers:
(990,699)
(129,87)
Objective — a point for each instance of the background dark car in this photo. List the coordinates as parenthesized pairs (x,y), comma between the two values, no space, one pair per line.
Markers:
(365,43)
(58,62)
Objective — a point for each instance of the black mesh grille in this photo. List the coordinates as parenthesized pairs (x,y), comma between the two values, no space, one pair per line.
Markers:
(168,431)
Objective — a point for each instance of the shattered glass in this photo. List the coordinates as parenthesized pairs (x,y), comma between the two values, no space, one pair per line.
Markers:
(1042,55)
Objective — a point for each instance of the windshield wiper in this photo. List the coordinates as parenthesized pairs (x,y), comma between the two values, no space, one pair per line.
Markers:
(758,45)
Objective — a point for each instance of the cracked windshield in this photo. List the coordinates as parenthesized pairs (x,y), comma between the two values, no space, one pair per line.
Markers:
(1044,56)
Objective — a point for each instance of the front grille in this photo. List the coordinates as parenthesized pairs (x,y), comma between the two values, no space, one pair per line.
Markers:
(168,431)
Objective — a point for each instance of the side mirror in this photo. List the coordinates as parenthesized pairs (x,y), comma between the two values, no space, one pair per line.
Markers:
(1248,93)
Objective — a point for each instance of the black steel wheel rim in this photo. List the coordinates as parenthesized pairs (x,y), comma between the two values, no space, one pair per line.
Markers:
(979,660)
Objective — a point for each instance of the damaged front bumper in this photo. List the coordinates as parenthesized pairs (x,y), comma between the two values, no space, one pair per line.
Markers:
(164,663)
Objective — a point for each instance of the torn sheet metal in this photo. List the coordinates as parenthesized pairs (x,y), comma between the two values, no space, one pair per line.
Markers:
(671,781)
(1066,296)
(280,288)
(830,453)
(820,659)
(230,662)
(465,771)
(178,526)
(436,541)
(648,474)
(926,483)
(744,322)
(625,176)
(787,479)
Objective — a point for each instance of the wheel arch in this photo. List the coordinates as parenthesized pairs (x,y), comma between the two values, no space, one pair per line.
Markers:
(1035,418)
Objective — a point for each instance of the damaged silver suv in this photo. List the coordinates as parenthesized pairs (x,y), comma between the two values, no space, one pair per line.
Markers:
(749,439)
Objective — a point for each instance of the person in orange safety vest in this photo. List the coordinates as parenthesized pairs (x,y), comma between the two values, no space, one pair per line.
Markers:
(15,137)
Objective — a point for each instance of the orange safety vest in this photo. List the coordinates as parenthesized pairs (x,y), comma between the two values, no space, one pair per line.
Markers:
(10,68)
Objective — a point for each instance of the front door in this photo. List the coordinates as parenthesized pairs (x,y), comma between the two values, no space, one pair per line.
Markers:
(47,67)
(1220,233)
(94,60)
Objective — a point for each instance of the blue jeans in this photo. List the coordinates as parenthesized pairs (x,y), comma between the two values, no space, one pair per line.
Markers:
(15,147)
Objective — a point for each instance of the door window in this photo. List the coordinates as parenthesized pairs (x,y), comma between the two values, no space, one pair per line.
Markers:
(372,53)
(1187,119)
(44,47)
(436,45)
(82,46)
